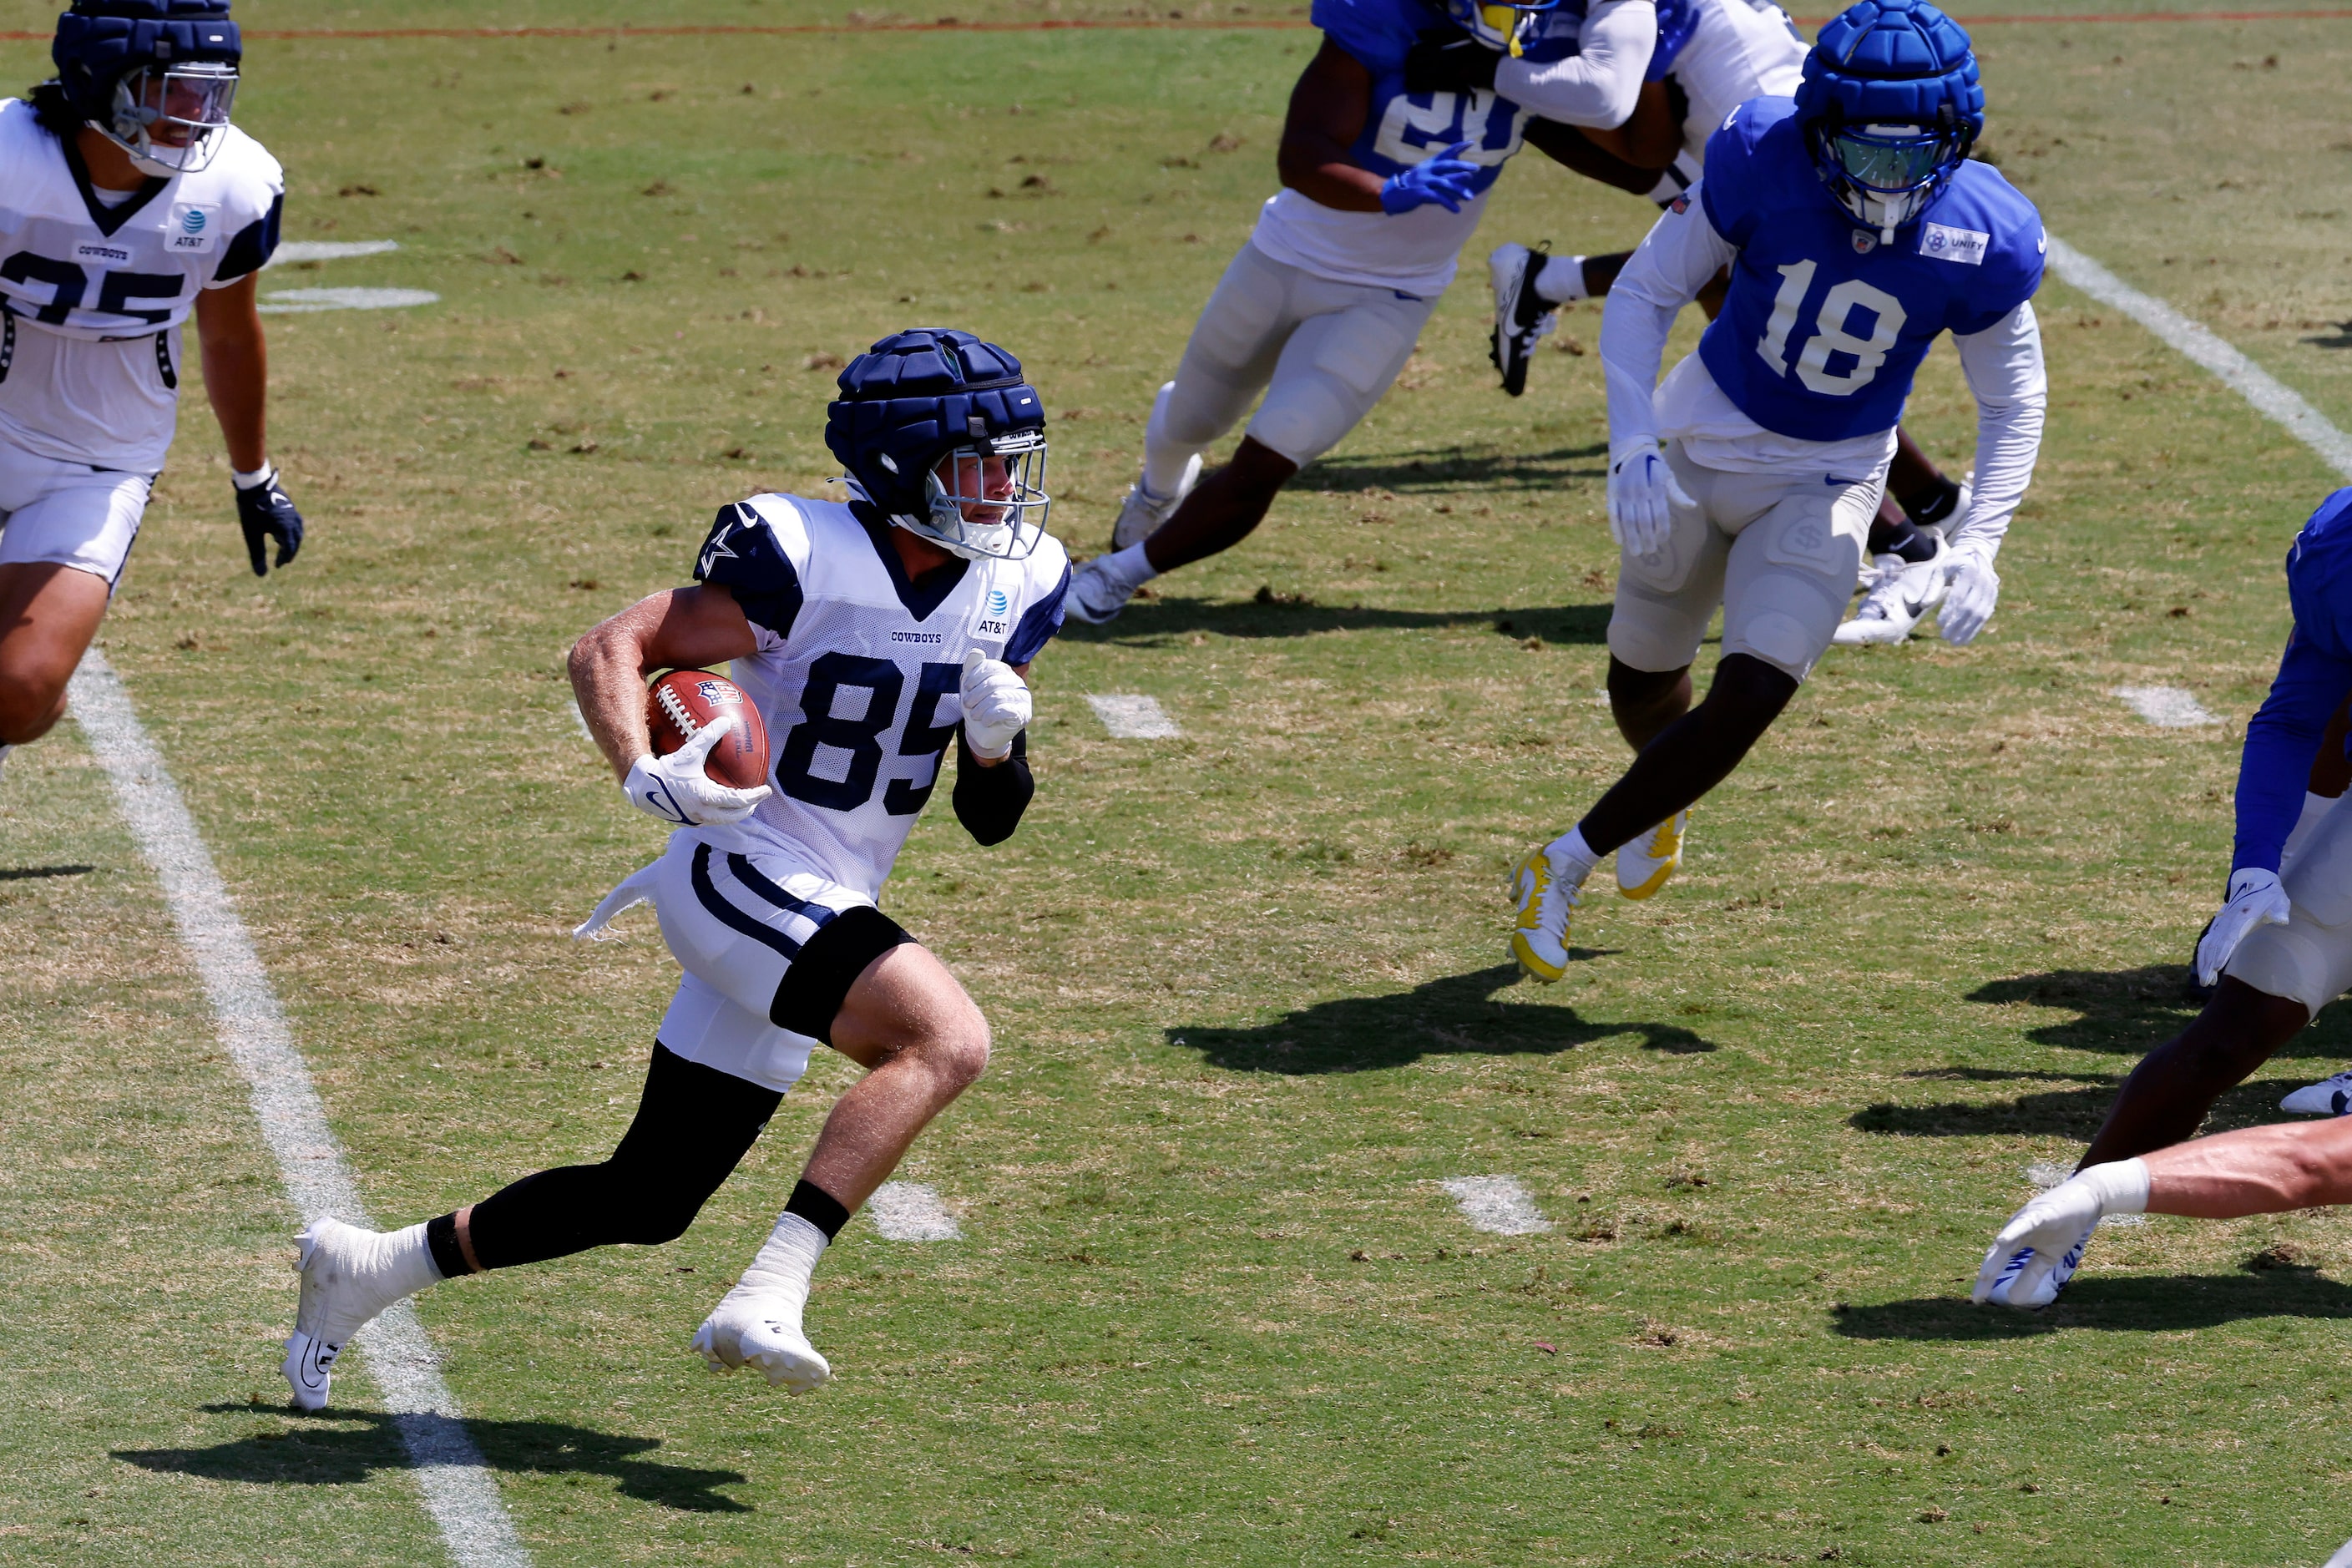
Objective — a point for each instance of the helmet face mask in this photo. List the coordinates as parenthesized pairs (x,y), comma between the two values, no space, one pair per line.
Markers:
(1503,28)
(170,117)
(1887,174)
(986,498)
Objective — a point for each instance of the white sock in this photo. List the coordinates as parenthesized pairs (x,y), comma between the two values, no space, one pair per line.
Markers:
(786,1260)
(1165,458)
(1675,180)
(1572,858)
(1561,279)
(1129,568)
(2316,808)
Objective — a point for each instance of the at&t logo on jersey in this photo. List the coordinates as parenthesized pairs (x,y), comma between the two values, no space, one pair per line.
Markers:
(192,228)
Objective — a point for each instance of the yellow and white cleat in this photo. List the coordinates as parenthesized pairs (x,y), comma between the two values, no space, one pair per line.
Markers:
(1645,865)
(1546,900)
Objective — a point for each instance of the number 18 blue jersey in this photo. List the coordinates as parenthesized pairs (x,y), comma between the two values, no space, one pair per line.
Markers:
(1824,327)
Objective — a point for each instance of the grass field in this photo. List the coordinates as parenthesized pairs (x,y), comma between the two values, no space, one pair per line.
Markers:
(1248,986)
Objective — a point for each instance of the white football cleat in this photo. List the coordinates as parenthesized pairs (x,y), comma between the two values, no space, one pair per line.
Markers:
(1095,597)
(1142,512)
(1546,902)
(2045,1288)
(2329,1097)
(1644,864)
(1522,317)
(762,1330)
(1905,591)
(349,1276)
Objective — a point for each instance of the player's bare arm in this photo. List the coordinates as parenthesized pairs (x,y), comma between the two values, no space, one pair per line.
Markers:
(236,369)
(1327,113)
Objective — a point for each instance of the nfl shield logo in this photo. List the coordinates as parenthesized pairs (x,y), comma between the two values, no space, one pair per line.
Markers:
(1864,243)
(1679,205)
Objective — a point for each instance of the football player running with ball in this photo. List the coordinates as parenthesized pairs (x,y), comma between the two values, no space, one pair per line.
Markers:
(128,203)
(1320,310)
(871,636)
(1856,231)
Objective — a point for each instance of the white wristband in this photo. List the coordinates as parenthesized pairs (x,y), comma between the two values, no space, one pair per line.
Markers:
(2121,1186)
(246,479)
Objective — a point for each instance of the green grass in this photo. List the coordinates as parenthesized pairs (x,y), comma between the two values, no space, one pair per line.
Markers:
(1247,987)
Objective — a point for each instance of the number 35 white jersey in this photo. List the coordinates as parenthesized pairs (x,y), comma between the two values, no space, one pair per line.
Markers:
(94,296)
(859,672)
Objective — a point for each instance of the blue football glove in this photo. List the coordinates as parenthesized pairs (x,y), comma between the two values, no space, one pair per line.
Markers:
(266,512)
(1445,179)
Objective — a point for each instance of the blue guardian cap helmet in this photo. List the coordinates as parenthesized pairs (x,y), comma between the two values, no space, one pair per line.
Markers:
(1889,107)
(940,430)
(154,77)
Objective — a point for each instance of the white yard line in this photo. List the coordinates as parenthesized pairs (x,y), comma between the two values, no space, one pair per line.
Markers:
(302,301)
(458,1490)
(1131,717)
(2198,341)
(910,1211)
(2166,706)
(1498,1203)
(327,250)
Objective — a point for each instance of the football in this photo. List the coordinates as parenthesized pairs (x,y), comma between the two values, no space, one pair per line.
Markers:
(681,702)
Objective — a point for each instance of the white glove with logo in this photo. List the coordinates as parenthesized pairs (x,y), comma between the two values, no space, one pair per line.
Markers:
(2255,900)
(675,789)
(1643,494)
(995,706)
(1974,588)
(2056,1220)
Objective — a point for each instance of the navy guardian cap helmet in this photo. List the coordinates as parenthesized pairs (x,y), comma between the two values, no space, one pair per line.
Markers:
(917,399)
(1889,107)
(154,77)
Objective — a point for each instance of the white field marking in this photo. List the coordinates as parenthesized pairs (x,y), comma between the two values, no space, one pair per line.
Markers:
(2046,1176)
(458,1490)
(1131,717)
(2166,706)
(302,301)
(2194,338)
(910,1211)
(581,719)
(327,250)
(1498,1203)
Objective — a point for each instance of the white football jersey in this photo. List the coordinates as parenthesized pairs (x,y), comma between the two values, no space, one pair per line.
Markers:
(859,672)
(94,295)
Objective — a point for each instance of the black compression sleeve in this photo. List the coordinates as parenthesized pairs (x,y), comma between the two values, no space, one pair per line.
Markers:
(989,801)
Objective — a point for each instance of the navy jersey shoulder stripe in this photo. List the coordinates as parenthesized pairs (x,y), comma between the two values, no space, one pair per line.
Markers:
(1038,625)
(740,555)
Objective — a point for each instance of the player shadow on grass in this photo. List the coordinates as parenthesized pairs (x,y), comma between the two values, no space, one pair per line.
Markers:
(1458,1015)
(2130,1303)
(1452,468)
(1273,615)
(2072,1113)
(2130,1012)
(340,1448)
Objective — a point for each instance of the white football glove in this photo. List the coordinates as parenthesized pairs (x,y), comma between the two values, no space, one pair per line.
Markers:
(1974,588)
(995,706)
(2255,900)
(2056,1220)
(1643,494)
(675,789)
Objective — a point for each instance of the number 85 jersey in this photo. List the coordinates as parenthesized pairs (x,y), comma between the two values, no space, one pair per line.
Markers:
(1824,326)
(859,670)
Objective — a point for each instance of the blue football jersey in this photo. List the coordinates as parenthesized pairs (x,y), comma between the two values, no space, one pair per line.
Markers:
(1406,128)
(1824,327)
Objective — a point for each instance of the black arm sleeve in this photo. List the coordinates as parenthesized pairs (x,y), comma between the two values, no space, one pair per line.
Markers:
(989,801)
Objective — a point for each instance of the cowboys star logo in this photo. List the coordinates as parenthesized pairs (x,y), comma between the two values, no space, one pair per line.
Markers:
(714,549)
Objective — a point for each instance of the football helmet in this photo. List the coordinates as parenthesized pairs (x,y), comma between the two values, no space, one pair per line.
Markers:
(1504,28)
(154,77)
(939,429)
(1889,107)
